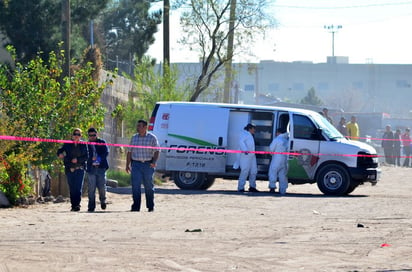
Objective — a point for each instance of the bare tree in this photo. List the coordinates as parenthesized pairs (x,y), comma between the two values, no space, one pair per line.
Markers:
(207,26)
(349,100)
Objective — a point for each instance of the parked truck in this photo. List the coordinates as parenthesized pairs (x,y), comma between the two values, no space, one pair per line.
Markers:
(199,143)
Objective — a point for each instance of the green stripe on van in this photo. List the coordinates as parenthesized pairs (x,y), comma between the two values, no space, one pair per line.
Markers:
(193,140)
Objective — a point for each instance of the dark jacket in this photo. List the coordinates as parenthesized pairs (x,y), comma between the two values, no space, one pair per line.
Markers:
(387,140)
(102,152)
(72,151)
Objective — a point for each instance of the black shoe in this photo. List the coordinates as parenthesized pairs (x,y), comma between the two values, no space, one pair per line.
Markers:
(75,209)
(134,209)
(103,206)
(151,210)
(90,210)
(241,190)
(272,190)
(253,189)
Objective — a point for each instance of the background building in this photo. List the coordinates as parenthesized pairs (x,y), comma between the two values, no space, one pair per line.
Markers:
(349,87)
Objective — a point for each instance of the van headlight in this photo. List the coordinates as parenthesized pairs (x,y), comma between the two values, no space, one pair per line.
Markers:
(366,160)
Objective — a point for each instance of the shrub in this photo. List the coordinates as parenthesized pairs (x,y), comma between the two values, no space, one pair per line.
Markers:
(122,177)
(13,181)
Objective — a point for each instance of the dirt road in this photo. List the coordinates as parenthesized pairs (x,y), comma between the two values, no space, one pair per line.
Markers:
(220,230)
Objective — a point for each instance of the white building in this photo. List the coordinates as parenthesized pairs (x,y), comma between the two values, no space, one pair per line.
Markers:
(351,87)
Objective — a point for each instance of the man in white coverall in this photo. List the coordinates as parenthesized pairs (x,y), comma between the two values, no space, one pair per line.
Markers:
(248,165)
(279,164)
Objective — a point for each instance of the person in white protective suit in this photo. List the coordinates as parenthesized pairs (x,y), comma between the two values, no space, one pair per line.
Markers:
(247,160)
(279,165)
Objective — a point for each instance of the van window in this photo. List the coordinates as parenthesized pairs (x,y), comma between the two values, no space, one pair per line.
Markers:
(283,121)
(303,128)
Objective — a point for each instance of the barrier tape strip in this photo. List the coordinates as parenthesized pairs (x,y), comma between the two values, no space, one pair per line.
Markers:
(35,139)
(379,139)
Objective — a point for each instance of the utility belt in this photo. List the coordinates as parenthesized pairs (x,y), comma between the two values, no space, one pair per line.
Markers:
(72,169)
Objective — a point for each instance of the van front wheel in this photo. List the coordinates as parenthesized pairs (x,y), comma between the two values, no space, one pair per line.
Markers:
(189,180)
(333,179)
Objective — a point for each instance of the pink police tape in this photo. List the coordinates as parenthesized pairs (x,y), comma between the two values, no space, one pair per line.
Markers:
(34,139)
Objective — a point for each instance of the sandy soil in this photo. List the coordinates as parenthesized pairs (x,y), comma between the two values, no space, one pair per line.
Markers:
(220,230)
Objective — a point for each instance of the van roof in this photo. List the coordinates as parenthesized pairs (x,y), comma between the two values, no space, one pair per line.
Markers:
(238,106)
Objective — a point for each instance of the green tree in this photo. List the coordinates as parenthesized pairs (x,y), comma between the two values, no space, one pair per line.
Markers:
(36,102)
(33,26)
(129,28)
(311,98)
(34,96)
(208,25)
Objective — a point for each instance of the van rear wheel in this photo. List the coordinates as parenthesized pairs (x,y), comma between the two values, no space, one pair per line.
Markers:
(189,180)
(333,179)
(208,183)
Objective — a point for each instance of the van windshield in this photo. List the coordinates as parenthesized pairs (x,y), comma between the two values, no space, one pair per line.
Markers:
(330,131)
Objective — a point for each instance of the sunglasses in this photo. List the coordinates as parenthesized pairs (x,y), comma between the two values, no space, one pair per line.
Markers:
(92,135)
(77,134)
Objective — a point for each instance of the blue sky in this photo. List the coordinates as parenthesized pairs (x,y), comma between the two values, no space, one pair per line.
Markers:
(372,31)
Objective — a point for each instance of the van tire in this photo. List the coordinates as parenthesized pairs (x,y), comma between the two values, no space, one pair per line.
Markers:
(333,179)
(353,185)
(208,183)
(189,180)
(351,188)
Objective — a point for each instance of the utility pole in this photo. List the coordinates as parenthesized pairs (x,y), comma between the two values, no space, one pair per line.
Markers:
(66,36)
(254,68)
(166,32)
(333,29)
(229,54)
(91,34)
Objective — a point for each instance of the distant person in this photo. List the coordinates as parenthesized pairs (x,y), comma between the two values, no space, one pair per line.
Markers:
(397,147)
(248,164)
(141,163)
(325,114)
(74,155)
(387,144)
(353,129)
(278,168)
(342,126)
(406,142)
(97,166)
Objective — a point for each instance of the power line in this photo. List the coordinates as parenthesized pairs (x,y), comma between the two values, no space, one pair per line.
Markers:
(344,7)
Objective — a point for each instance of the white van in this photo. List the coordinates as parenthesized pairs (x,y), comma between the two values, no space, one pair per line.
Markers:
(199,143)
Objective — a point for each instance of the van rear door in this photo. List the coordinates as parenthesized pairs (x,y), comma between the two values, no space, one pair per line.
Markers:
(194,133)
